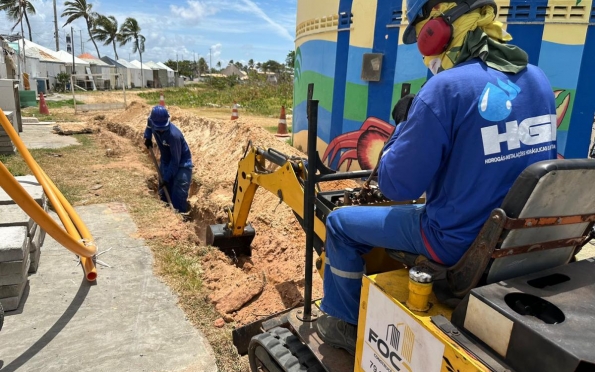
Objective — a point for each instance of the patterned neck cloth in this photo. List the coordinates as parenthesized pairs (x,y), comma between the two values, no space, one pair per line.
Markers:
(476,35)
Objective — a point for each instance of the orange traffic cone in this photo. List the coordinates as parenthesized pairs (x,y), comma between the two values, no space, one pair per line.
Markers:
(43,108)
(234,111)
(282,127)
(161,99)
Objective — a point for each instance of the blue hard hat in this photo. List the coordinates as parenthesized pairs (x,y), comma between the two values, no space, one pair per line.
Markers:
(420,9)
(159,117)
(414,10)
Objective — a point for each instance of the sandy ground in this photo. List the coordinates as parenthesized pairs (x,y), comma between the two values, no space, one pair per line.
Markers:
(247,288)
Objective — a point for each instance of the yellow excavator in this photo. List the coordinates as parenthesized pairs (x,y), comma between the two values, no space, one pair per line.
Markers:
(517,301)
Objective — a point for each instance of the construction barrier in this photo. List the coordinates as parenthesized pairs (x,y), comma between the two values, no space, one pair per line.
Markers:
(234,111)
(75,237)
(282,126)
(43,107)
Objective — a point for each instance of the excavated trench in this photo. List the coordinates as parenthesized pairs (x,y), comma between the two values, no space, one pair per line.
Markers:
(244,289)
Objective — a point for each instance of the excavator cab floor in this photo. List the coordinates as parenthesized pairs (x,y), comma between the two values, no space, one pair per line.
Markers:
(333,359)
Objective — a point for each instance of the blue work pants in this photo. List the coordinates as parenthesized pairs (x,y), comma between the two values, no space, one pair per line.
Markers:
(354,231)
(178,190)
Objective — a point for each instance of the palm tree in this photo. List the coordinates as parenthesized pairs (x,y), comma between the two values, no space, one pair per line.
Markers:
(106,30)
(290,60)
(16,10)
(202,66)
(129,31)
(251,64)
(80,9)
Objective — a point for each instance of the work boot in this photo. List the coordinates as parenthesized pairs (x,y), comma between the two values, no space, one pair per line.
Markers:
(337,333)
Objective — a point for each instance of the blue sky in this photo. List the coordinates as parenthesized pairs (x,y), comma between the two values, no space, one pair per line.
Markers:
(230,29)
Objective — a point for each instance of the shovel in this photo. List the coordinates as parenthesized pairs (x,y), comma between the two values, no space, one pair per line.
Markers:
(161,179)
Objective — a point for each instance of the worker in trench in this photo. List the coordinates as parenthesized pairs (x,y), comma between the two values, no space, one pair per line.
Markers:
(470,131)
(176,161)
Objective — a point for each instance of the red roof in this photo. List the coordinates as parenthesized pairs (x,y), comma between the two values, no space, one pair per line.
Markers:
(87,56)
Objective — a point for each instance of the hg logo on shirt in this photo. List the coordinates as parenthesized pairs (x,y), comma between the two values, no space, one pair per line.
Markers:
(495,103)
(531,131)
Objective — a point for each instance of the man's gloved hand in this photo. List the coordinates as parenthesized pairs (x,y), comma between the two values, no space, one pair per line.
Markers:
(401,109)
(149,143)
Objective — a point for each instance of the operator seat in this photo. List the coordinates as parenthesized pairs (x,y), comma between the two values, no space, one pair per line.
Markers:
(544,220)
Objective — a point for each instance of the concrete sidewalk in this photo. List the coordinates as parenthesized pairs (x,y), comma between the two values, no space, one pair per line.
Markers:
(40,136)
(127,321)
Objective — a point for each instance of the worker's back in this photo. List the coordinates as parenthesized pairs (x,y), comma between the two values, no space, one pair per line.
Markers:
(471,130)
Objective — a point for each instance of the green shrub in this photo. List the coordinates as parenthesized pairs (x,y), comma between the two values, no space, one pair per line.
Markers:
(254,95)
(62,79)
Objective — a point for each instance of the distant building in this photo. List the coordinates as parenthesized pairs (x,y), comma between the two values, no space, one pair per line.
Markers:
(107,80)
(171,74)
(232,70)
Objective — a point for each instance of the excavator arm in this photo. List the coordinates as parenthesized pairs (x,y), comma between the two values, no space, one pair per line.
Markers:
(275,172)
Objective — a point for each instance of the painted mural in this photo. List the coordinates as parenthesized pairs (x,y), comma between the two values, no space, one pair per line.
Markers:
(354,115)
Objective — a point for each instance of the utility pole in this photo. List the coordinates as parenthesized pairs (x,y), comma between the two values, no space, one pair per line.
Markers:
(210,61)
(56,28)
(23,46)
(72,38)
(19,68)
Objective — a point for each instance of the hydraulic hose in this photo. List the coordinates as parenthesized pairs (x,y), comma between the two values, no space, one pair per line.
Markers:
(78,241)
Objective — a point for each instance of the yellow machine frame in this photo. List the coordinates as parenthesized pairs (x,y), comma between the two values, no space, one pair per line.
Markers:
(286,181)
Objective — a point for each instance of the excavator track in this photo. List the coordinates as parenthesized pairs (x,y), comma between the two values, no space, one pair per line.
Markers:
(279,350)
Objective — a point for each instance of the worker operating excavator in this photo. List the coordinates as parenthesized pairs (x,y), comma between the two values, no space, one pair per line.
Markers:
(471,130)
(176,161)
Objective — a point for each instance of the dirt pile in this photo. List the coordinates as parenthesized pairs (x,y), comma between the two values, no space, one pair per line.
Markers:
(271,280)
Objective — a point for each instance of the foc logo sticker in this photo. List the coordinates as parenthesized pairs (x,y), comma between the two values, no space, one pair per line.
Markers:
(394,341)
(388,347)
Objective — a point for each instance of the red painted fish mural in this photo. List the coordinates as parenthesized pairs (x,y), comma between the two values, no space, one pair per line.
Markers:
(363,145)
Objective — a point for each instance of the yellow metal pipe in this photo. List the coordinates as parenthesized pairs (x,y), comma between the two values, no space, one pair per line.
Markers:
(88,265)
(78,223)
(89,250)
(30,206)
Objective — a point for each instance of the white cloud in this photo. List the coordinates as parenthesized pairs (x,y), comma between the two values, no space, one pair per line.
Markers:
(252,7)
(196,10)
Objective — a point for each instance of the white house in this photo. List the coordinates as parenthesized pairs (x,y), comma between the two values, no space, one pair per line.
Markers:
(108,79)
(50,65)
(134,73)
(27,65)
(159,75)
(171,74)
(147,73)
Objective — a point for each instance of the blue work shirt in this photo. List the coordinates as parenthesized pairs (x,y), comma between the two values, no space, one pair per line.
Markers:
(175,153)
(471,131)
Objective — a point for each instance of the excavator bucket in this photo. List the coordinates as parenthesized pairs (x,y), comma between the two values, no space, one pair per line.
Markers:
(221,237)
